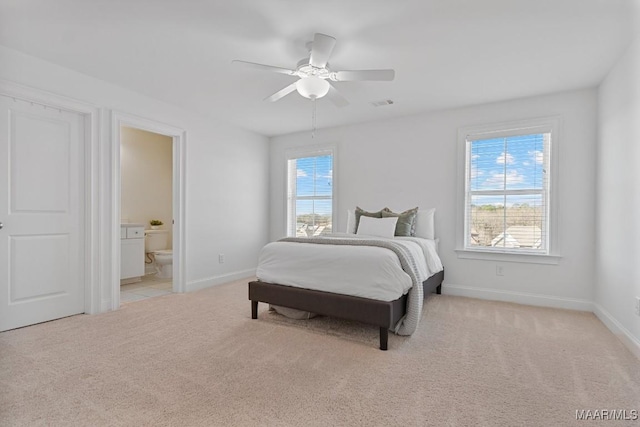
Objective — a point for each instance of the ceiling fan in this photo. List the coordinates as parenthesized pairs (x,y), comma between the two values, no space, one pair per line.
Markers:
(314,74)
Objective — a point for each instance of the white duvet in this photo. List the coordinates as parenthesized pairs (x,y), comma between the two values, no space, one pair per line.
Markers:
(361,271)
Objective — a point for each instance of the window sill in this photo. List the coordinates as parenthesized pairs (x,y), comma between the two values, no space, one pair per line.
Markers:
(509,257)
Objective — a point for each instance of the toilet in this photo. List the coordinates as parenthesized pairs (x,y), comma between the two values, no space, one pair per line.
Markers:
(155,244)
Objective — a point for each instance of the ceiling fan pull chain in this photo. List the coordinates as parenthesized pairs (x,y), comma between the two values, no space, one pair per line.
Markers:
(313,117)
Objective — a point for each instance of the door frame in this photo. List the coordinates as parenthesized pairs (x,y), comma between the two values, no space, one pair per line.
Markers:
(118,120)
(92,233)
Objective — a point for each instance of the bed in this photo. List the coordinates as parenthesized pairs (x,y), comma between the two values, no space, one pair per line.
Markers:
(360,278)
(383,314)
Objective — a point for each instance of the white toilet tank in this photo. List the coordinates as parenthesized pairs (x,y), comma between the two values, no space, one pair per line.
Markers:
(156,240)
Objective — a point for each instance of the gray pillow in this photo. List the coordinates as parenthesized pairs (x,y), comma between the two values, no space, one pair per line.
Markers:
(406,225)
(360,212)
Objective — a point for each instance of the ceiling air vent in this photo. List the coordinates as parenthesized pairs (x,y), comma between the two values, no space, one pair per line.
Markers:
(381,103)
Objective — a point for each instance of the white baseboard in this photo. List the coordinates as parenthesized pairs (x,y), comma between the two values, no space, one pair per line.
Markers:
(219,280)
(517,297)
(631,342)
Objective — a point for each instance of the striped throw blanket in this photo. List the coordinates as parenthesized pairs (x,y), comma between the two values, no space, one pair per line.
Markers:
(409,323)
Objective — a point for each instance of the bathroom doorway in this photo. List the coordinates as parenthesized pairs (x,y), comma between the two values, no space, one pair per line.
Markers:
(148,209)
(146,214)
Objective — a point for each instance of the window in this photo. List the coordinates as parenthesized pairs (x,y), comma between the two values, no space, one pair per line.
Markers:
(507,189)
(310,194)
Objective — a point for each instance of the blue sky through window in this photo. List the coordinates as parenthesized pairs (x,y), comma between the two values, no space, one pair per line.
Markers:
(314,177)
(511,163)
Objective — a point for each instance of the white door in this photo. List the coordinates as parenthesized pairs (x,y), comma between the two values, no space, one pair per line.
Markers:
(42,211)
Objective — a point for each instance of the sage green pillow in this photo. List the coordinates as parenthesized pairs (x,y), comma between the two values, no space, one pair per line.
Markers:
(406,224)
(361,212)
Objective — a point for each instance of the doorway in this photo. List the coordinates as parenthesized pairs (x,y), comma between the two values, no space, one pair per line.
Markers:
(148,203)
(146,214)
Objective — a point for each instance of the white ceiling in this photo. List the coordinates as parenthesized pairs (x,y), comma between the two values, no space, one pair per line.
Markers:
(446,53)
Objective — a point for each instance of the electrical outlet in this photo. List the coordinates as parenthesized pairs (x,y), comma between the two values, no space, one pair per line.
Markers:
(637,306)
(221,258)
(499,271)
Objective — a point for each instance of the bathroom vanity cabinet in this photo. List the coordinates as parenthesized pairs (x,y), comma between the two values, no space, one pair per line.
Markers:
(131,252)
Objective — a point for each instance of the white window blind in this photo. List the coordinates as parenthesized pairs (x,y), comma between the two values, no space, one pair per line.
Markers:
(310,195)
(507,192)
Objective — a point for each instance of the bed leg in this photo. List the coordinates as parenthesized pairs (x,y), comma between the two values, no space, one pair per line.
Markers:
(384,338)
(439,289)
(254,309)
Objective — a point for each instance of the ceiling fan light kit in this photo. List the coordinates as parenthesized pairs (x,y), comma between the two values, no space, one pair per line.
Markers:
(312,87)
(314,74)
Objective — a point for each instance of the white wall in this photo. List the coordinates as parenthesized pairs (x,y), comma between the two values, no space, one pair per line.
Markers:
(146,170)
(411,161)
(618,212)
(226,169)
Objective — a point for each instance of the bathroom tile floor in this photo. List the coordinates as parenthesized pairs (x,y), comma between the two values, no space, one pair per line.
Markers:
(150,286)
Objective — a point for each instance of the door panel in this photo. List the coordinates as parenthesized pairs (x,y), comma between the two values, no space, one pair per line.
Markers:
(39,152)
(50,279)
(42,208)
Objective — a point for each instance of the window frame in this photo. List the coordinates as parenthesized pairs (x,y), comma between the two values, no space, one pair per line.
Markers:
(550,125)
(303,152)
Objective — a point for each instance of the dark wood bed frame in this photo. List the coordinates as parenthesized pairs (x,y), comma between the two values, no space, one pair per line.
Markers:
(384,314)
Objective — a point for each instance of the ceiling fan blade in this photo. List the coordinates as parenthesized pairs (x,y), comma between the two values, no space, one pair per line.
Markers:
(281,93)
(336,97)
(371,75)
(264,67)
(321,50)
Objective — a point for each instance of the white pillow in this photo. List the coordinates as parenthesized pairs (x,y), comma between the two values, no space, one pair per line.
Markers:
(381,227)
(351,221)
(425,226)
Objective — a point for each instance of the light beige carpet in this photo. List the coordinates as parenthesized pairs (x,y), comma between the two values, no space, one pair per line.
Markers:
(199,359)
